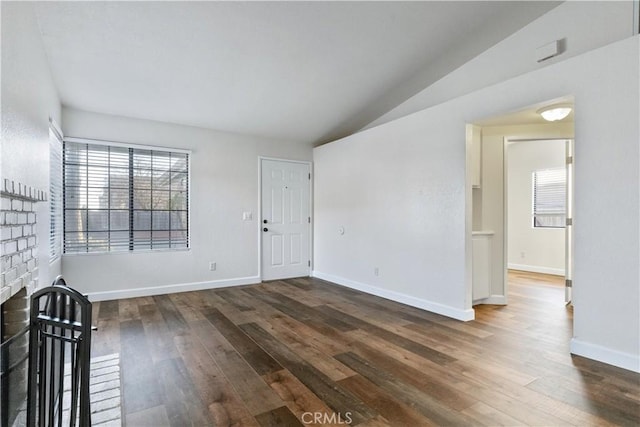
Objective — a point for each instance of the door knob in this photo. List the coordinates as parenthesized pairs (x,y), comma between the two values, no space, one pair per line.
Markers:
(265,229)
(265,221)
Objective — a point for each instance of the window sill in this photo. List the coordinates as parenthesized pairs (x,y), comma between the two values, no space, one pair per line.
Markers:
(148,251)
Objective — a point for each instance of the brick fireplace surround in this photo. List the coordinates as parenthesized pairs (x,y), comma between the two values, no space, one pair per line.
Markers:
(18,278)
(19,256)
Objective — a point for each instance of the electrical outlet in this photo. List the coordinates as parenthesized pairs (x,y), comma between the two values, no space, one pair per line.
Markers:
(376,272)
(212,266)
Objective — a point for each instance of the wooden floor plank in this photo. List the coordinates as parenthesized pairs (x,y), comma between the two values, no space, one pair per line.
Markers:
(128,309)
(298,398)
(189,409)
(160,343)
(183,304)
(278,418)
(421,379)
(215,391)
(255,356)
(108,310)
(388,406)
(257,396)
(337,398)
(400,341)
(109,337)
(422,402)
(305,348)
(279,352)
(140,386)
(235,298)
(486,415)
(172,316)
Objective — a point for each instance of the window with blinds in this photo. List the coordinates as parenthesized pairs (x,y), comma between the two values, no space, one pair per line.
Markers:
(119,198)
(55,193)
(549,198)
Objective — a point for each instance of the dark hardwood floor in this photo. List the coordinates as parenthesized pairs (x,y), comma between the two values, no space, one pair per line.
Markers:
(307,352)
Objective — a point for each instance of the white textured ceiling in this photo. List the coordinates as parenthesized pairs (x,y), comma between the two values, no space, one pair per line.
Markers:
(297,71)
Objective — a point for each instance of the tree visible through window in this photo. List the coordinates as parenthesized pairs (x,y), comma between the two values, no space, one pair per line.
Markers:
(119,198)
(549,198)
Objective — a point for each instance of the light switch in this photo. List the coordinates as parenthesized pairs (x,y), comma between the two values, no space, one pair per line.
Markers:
(247,216)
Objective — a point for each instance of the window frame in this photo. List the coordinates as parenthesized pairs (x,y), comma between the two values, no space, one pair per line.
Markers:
(131,247)
(56,192)
(535,211)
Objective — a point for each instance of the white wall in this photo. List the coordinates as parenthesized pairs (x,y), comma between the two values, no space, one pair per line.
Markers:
(585,25)
(224,184)
(532,249)
(492,193)
(400,192)
(29,98)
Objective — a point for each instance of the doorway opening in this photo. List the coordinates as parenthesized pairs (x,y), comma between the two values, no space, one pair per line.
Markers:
(495,246)
(538,196)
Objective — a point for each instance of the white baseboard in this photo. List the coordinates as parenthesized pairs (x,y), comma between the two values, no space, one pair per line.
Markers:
(536,269)
(493,299)
(168,289)
(606,355)
(445,310)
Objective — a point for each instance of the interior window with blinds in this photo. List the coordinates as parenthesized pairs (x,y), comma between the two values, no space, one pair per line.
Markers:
(55,193)
(121,198)
(549,198)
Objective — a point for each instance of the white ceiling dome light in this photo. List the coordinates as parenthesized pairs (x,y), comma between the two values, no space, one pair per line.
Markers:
(556,112)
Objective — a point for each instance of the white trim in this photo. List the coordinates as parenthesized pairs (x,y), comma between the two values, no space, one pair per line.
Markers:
(434,307)
(56,192)
(605,355)
(259,215)
(123,252)
(127,145)
(636,17)
(169,289)
(536,269)
(56,128)
(305,162)
(277,159)
(493,299)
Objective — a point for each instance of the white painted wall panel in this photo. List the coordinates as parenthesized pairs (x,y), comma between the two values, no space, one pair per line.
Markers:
(29,98)
(399,194)
(224,185)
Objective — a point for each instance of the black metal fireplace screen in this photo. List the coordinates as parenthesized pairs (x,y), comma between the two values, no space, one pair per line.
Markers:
(59,362)
(48,385)
(59,345)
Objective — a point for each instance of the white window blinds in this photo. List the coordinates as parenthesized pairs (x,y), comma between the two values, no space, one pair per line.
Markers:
(549,197)
(55,192)
(120,198)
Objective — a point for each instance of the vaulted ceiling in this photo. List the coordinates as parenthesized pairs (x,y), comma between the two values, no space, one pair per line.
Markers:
(297,71)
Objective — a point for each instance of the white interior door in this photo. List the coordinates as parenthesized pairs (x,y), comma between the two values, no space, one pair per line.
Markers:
(286,219)
(568,259)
